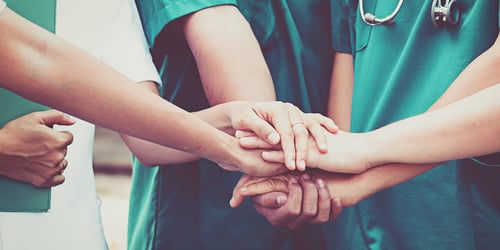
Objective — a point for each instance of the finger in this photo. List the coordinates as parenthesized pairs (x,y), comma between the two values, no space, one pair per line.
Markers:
(237,197)
(62,165)
(288,212)
(309,202)
(301,137)
(56,180)
(324,203)
(254,142)
(54,117)
(327,123)
(243,133)
(271,200)
(260,127)
(68,137)
(281,122)
(318,133)
(336,209)
(266,186)
(273,156)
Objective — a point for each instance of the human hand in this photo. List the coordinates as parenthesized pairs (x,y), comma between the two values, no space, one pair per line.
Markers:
(346,152)
(288,199)
(31,151)
(276,122)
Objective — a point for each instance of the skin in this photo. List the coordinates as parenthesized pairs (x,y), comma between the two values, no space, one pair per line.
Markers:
(232,67)
(54,73)
(31,151)
(481,74)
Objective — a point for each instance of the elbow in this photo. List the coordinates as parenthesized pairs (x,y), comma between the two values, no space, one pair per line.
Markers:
(145,161)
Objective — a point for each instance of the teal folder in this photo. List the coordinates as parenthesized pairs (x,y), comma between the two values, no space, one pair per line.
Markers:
(18,196)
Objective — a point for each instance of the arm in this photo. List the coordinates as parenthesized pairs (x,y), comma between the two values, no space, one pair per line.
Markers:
(218,37)
(232,67)
(341,85)
(31,151)
(55,73)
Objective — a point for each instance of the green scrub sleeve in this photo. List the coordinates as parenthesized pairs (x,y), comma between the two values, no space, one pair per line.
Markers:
(156,15)
(342,20)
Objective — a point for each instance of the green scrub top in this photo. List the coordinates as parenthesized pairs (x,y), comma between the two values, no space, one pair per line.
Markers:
(400,70)
(185,206)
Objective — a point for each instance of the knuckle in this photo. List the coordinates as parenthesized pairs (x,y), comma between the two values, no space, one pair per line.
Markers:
(309,212)
(293,211)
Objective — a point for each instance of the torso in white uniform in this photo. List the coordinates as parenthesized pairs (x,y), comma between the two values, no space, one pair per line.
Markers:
(111,31)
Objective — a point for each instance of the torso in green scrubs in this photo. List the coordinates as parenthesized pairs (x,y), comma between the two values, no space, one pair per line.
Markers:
(185,206)
(400,70)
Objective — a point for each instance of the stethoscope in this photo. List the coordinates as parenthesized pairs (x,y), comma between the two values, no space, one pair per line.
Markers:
(442,12)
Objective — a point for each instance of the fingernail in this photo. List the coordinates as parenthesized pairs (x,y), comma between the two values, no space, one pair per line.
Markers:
(337,203)
(291,163)
(273,138)
(244,140)
(231,201)
(322,145)
(243,189)
(321,183)
(280,200)
(302,164)
(294,181)
(306,177)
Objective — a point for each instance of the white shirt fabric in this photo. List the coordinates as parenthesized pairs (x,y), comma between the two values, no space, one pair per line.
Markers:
(110,30)
(2,6)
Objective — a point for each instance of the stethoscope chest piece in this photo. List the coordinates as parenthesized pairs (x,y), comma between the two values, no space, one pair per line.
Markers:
(445,12)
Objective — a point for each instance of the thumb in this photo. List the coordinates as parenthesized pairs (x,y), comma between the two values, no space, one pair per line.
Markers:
(261,128)
(55,117)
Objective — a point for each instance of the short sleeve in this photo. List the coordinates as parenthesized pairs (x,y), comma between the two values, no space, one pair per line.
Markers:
(124,46)
(2,6)
(342,19)
(156,15)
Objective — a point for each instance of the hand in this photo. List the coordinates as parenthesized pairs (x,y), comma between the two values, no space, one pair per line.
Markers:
(282,122)
(345,153)
(31,151)
(284,202)
(248,161)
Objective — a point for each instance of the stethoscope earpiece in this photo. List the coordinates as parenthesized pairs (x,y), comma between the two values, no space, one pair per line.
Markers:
(444,13)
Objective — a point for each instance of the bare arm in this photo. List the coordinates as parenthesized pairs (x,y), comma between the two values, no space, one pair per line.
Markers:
(61,76)
(232,67)
(341,87)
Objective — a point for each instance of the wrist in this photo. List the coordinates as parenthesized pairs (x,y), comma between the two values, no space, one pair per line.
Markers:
(223,152)
(373,150)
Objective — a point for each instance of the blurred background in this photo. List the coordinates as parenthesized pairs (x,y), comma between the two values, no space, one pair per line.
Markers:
(113,170)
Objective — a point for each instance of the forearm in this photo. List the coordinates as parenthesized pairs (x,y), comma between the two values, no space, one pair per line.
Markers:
(469,127)
(228,56)
(59,75)
(480,74)
(341,87)
(152,154)
(352,189)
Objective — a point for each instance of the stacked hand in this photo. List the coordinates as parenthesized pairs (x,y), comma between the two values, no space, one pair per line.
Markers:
(277,124)
(316,196)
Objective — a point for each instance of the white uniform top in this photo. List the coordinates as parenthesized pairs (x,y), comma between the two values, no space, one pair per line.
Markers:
(2,5)
(111,31)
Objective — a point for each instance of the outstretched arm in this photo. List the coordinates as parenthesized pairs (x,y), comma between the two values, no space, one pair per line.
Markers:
(43,68)
(232,67)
